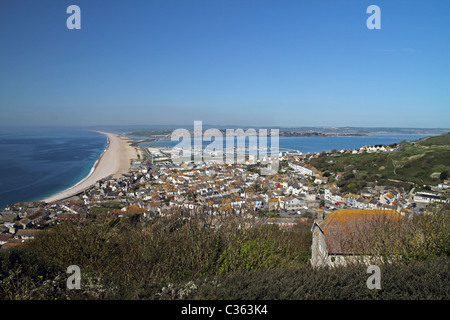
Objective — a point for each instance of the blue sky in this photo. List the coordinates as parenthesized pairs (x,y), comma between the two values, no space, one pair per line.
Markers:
(240,62)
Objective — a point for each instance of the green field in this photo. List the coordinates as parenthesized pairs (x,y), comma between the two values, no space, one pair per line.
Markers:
(419,163)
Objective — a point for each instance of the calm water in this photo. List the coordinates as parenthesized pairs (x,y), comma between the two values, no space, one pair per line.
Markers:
(38,162)
(318,144)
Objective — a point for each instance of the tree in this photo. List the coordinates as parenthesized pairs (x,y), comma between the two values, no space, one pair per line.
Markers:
(444,175)
(352,188)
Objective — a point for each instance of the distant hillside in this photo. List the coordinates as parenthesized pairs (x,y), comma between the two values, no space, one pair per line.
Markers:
(421,162)
(442,140)
(364,130)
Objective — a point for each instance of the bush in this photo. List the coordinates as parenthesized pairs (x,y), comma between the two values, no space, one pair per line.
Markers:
(132,257)
(417,280)
(183,257)
(25,276)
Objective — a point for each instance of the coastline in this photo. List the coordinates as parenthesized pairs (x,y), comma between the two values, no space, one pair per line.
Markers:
(114,161)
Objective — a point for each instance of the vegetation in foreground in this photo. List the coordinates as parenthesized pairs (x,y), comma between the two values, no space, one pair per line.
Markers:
(181,258)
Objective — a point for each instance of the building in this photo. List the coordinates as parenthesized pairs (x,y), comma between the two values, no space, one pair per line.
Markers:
(445,185)
(284,222)
(302,168)
(293,204)
(26,234)
(423,197)
(342,236)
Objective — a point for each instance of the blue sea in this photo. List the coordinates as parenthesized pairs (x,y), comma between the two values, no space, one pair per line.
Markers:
(38,162)
(316,144)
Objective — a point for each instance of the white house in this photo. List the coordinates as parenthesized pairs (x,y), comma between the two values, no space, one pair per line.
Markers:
(301,168)
(293,204)
(424,197)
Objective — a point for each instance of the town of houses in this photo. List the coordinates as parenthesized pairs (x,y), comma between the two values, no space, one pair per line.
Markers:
(298,192)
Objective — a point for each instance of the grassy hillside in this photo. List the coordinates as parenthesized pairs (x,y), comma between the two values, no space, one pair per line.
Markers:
(418,162)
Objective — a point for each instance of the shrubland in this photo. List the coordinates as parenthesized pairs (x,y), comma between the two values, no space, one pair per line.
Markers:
(189,257)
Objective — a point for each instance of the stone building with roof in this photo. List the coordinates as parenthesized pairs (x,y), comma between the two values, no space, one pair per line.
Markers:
(344,236)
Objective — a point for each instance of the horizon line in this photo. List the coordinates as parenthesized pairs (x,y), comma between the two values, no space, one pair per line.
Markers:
(220,125)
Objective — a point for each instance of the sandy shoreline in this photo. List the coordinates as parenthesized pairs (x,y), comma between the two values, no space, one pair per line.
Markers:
(114,161)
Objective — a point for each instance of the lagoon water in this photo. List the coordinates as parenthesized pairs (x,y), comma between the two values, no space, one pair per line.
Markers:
(39,162)
(318,144)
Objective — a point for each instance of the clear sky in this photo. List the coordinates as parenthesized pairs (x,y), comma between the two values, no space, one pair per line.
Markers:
(240,62)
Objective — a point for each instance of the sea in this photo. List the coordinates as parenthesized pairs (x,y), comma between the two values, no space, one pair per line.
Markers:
(37,162)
